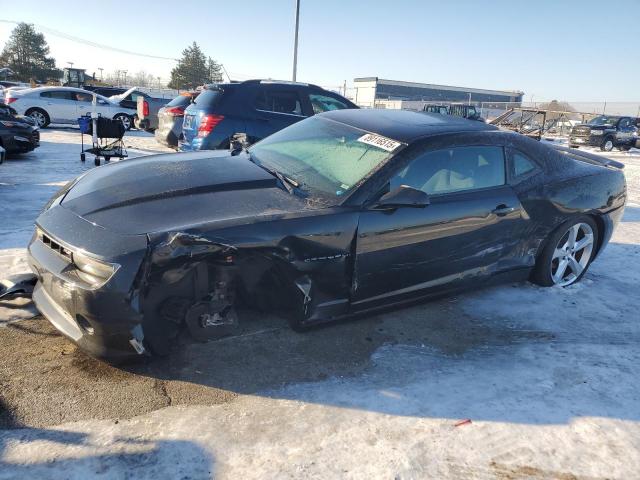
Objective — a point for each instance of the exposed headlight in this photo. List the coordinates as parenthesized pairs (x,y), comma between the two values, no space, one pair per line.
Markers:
(596,132)
(93,271)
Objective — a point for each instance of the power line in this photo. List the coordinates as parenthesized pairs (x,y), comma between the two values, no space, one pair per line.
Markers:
(90,43)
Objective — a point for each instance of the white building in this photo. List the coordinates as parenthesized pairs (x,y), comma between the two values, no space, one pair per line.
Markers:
(374,91)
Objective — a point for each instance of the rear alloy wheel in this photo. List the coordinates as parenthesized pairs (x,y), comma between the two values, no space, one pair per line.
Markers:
(125,119)
(568,253)
(607,145)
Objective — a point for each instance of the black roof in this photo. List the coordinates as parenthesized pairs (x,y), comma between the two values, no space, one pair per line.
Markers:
(405,126)
(255,81)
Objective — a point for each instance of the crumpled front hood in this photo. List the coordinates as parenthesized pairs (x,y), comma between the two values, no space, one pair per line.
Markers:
(175,191)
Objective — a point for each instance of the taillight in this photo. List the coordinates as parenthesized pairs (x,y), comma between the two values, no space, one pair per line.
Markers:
(145,108)
(175,111)
(9,100)
(207,123)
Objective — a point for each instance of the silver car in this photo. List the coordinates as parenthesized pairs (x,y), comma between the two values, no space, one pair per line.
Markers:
(64,105)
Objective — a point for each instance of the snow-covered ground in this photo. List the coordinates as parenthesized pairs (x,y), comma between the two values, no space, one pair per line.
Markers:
(541,384)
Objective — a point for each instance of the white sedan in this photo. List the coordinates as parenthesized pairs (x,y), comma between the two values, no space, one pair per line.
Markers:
(64,105)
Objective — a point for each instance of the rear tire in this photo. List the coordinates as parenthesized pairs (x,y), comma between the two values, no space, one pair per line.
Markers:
(567,254)
(39,116)
(126,120)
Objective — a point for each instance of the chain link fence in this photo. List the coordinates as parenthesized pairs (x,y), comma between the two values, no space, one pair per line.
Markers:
(582,111)
(553,118)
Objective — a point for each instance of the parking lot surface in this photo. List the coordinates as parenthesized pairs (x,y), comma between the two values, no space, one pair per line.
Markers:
(511,382)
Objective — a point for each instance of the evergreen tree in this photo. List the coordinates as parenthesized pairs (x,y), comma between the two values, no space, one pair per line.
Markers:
(191,70)
(194,69)
(215,71)
(26,54)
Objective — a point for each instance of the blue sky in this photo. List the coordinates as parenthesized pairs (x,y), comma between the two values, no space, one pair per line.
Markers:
(567,50)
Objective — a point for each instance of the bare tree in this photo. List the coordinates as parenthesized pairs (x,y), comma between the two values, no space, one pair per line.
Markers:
(142,79)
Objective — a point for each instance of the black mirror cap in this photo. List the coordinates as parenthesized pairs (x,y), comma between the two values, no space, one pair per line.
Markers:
(404,196)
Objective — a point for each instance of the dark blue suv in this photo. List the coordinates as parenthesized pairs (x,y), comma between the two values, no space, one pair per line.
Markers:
(255,107)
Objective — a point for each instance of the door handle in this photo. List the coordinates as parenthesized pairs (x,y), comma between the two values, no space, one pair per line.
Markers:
(502,210)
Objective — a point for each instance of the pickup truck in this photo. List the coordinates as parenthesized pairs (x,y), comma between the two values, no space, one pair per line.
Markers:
(606,132)
(148,107)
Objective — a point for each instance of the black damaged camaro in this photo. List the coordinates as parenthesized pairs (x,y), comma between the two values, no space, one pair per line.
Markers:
(339,214)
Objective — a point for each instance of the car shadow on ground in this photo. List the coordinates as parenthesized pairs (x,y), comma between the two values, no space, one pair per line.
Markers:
(631,214)
(71,453)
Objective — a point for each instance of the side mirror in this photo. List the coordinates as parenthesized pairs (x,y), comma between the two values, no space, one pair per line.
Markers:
(403,196)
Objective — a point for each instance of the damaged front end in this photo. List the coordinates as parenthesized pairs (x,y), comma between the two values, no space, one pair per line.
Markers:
(200,281)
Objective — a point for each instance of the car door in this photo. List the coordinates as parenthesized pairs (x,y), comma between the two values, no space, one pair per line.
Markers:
(84,103)
(625,131)
(276,107)
(473,220)
(60,105)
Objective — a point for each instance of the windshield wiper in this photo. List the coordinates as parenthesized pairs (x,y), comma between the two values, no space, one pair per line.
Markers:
(288,182)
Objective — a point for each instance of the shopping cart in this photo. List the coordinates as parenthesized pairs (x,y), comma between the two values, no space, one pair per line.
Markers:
(106,139)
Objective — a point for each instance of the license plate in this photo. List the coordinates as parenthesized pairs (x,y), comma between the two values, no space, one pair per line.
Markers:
(579,140)
(188,121)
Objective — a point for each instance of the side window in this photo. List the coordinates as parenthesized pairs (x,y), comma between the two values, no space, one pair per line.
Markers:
(624,123)
(279,101)
(521,165)
(83,97)
(133,96)
(324,103)
(58,94)
(454,170)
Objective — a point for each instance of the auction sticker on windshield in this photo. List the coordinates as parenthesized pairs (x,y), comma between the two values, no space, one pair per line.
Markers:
(380,142)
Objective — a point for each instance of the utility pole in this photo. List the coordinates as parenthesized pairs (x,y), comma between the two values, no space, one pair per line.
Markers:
(125,77)
(295,41)
(70,64)
(99,68)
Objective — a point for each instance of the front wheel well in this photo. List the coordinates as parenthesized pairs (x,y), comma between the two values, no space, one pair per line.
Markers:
(38,109)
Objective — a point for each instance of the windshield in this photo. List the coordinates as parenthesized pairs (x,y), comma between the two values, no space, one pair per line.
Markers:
(327,157)
(603,120)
